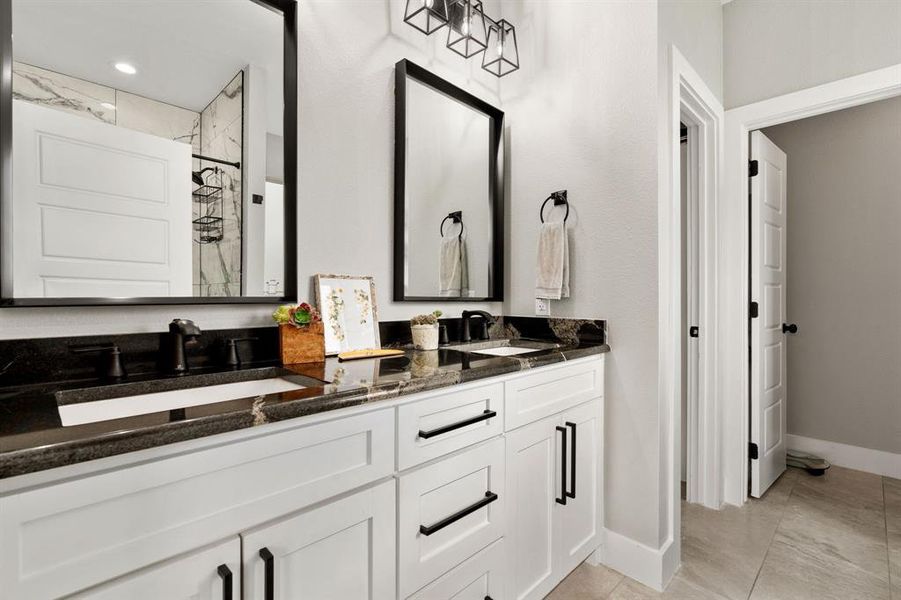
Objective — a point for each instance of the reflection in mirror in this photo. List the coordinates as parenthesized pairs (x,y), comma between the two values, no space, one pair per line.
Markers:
(449,189)
(147,150)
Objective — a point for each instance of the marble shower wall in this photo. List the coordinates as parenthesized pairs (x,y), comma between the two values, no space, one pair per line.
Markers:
(217,266)
(105,104)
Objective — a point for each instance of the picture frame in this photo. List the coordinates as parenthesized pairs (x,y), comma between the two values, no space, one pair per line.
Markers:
(349,312)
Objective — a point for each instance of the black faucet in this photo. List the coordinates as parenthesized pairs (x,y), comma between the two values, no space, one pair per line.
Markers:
(232,358)
(487,320)
(181,333)
(109,365)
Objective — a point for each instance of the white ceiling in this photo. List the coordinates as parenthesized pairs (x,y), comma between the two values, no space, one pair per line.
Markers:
(185,51)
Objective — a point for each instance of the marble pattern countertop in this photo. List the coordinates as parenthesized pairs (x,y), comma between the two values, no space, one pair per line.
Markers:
(32,437)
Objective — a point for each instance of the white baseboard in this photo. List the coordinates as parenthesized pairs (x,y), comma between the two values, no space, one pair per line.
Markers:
(649,566)
(878,462)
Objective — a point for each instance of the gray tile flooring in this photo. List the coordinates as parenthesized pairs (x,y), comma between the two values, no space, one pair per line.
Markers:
(818,538)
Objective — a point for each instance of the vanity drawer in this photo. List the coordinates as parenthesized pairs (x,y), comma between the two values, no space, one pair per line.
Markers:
(448,511)
(123,520)
(550,390)
(478,577)
(448,422)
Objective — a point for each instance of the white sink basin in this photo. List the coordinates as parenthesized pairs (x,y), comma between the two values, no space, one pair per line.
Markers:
(507,351)
(129,406)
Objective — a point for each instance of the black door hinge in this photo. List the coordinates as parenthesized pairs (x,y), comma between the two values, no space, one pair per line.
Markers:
(754,310)
(693,331)
(753,168)
(752,450)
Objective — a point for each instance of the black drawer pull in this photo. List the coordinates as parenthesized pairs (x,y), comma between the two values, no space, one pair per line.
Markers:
(430,529)
(572,461)
(226,575)
(563,494)
(269,570)
(487,414)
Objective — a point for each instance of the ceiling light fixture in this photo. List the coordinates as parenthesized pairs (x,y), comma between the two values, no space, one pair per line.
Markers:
(470,31)
(502,55)
(428,16)
(124,67)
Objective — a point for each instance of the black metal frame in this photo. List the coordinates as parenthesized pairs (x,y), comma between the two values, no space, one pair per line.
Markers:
(406,69)
(288,9)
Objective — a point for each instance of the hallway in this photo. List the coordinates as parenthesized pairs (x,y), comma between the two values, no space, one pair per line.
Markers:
(818,538)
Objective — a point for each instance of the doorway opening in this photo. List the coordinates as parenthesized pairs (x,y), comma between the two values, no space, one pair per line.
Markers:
(734,260)
(824,220)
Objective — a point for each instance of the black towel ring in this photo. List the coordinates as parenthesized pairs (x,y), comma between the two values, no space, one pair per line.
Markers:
(455,217)
(559,199)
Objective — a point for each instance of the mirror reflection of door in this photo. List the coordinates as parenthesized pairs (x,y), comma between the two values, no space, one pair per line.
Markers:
(144,138)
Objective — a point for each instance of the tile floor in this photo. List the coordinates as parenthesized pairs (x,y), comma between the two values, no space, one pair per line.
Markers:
(818,538)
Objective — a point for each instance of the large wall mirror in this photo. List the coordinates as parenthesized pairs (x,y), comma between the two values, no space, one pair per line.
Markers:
(448,186)
(148,151)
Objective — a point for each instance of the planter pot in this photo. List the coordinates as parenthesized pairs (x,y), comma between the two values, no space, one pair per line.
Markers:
(301,344)
(425,337)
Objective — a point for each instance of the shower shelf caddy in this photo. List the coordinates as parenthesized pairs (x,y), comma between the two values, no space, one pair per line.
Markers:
(208,227)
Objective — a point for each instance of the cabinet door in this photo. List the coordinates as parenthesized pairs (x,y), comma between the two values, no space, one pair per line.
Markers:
(210,574)
(343,550)
(579,520)
(478,577)
(533,483)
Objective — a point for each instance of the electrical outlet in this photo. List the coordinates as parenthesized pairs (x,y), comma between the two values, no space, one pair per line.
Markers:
(542,307)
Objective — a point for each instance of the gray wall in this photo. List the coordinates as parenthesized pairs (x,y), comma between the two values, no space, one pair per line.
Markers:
(774,47)
(844,275)
(695,27)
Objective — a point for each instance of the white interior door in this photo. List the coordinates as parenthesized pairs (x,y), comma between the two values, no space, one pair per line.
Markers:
(768,351)
(98,210)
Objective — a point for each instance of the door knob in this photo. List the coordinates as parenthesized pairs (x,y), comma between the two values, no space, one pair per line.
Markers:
(789,328)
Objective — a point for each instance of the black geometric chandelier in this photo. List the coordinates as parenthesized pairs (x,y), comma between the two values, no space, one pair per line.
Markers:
(470,31)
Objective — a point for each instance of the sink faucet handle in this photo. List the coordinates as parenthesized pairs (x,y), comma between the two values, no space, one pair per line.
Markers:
(110,363)
(185,327)
(232,359)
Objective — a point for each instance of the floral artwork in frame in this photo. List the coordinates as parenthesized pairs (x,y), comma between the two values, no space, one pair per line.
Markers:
(349,312)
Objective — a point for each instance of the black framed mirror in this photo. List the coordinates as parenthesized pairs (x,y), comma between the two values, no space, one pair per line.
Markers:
(148,152)
(448,191)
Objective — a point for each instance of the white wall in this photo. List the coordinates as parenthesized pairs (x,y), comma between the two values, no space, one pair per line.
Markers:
(696,29)
(347,54)
(583,118)
(844,218)
(780,46)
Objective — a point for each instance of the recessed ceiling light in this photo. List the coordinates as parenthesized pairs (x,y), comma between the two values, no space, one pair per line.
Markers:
(125,68)
(108,105)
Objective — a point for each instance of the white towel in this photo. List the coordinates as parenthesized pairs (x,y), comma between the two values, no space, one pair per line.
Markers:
(552,279)
(453,273)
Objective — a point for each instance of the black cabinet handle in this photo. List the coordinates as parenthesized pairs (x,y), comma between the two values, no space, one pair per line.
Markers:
(563,494)
(789,328)
(430,529)
(572,461)
(487,414)
(226,575)
(269,572)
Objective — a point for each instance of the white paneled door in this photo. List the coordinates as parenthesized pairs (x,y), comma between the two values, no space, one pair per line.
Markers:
(98,210)
(768,349)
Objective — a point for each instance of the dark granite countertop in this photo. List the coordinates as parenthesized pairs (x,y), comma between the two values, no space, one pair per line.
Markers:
(32,437)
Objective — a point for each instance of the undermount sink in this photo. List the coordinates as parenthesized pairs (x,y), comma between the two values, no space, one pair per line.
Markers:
(503,347)
(79,413)
(507,351)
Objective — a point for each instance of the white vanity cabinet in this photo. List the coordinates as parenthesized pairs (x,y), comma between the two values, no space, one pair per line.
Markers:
(212,573)
(554,468)
(342,550)
(453,493)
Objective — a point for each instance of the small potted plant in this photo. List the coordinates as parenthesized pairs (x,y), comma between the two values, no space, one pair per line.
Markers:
(425,331)
(301,337)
